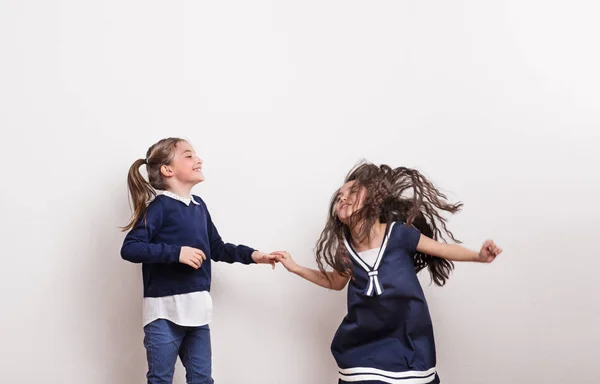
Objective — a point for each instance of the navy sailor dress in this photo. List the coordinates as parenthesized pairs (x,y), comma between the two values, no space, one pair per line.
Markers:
(387,335)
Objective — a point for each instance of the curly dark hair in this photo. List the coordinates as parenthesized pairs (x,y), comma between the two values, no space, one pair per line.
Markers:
(391,194)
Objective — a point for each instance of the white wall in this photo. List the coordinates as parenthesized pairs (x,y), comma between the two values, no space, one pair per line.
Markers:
(497,102)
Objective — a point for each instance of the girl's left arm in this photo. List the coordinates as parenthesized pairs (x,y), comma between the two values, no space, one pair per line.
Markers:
(454,252)
(231,253)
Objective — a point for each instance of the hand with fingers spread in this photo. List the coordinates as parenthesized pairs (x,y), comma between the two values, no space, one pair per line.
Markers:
(489,251)
(192,257)
(265,258)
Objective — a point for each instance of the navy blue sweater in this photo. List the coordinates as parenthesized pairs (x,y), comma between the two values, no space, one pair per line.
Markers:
(156,243)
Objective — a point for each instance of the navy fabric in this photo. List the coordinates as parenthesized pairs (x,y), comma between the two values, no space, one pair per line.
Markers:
(156,241)
(391,331)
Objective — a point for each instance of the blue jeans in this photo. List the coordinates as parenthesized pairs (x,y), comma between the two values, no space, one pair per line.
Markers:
(164,341)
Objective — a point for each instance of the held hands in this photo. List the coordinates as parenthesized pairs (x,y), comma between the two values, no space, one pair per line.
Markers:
(192,257)
(489,251)
(266,258)
(286,259)
(282,257)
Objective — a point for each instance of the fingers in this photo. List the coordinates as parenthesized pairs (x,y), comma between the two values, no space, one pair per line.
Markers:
(199,253)
(275,258)
(281,254)
(194,263)
(491,247)
(196,259)
(278,255)
(200,260)
(271,256)
(192,257)
(492,250)
(197,262)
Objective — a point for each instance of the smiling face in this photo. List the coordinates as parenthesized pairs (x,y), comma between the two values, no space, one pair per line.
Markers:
(186,166)
(350,198)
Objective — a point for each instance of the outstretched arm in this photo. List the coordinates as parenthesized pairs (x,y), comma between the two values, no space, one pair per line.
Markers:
(333,280)
(454,252)
(231,253)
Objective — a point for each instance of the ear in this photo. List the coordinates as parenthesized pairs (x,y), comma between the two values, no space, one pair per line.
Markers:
(166,171)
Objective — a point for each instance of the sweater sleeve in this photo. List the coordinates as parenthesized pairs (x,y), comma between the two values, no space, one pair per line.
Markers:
(228,253)
(138,246)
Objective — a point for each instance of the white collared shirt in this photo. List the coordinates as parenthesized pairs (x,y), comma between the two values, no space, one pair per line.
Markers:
(185,200)
(189,309)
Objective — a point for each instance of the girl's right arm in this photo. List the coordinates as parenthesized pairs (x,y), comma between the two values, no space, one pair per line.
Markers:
(137,247)
(333,280)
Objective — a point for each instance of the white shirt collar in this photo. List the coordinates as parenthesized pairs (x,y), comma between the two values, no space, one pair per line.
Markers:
(184,200)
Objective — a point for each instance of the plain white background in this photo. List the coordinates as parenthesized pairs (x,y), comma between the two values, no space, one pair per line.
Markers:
(497,102)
